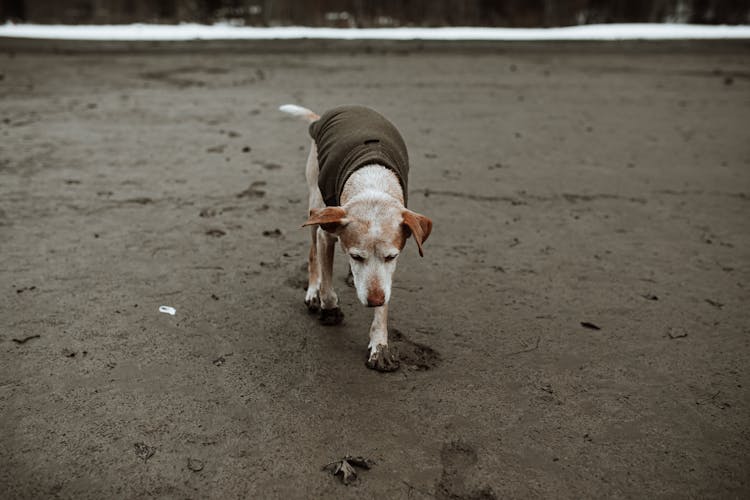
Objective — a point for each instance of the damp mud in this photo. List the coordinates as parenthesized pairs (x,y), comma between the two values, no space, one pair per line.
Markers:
(577,328)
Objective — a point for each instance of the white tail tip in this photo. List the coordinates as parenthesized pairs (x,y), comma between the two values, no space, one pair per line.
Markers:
(299,111)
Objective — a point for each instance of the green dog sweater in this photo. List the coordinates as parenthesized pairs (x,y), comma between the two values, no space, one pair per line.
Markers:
(351,137)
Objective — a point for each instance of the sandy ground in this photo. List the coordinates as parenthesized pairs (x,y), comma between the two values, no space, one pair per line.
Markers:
(567,185)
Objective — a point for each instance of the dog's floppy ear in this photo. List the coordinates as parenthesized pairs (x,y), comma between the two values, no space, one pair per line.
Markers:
(330,218)
(419,226)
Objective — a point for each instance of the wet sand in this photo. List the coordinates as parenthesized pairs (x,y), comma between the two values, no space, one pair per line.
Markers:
(603,184)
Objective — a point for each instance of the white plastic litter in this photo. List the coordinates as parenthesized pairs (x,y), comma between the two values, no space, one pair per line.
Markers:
(167,310)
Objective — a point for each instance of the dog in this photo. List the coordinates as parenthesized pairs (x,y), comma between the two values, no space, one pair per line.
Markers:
(357,175)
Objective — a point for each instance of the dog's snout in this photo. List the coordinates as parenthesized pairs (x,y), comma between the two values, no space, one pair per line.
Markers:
(375,298)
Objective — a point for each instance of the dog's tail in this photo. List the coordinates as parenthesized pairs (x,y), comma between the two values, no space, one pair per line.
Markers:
(300,112)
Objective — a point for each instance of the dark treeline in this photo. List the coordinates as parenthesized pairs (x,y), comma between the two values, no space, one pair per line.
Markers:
(378,13)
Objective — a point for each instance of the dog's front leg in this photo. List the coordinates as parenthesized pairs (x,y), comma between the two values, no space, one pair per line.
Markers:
(381,358)
(330,314)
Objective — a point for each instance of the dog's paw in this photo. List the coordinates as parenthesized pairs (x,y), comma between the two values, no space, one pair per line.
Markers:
(382,360)
(330,317)
(313,304)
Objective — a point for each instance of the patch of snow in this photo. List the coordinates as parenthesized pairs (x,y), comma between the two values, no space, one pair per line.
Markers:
(226,31)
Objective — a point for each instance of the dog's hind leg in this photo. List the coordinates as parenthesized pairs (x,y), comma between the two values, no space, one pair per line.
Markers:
(330,314)
(315,200)
(320,291)
(312,297)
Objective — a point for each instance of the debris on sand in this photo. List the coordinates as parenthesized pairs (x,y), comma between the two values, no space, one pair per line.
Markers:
(167,310)
(345,468)
(676,333)
(25,339)
(195,465)
(269,165)
(253,190)
(221,359)
(141,200)
(216,233)
(143,451)
(528,348)
(650,296)
(275,233)
(588,324)
(713,401)
(717,305)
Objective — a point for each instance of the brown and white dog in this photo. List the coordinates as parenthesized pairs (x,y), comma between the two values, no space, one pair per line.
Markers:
(364,210)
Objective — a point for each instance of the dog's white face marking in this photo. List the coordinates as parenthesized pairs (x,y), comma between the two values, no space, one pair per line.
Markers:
(373,239)
(373,276)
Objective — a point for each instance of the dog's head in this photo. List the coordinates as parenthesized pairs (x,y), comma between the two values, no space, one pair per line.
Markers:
(372,233)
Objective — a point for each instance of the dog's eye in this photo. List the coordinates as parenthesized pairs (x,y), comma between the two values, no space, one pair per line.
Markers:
(389,258)
(356,257)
